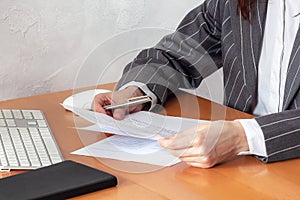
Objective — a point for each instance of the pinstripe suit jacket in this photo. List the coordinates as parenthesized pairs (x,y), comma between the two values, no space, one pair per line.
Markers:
(212,36)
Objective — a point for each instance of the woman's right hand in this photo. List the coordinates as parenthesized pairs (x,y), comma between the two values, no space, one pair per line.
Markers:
(115,97)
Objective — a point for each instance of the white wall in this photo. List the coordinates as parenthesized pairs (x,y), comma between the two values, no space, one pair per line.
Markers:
(48,46)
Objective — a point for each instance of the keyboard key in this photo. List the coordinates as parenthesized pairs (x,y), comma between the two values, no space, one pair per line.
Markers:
(37,115)
(7,114)
(2,122)
(24,163)
(3,130)
(35,163)
(17,114)
(45,132)
(32,123)
(3,159)
(27,114)
(51,147)
(42,123)
(10,122)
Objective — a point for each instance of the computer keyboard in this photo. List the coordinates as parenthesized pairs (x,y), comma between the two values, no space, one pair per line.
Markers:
(26,141)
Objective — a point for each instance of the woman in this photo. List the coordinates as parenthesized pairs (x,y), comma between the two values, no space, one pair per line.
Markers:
(256,43)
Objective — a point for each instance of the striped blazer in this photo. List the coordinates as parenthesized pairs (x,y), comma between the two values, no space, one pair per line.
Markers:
(213,36)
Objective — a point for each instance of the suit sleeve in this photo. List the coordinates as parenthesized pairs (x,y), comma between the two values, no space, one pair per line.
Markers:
(181,59)
(282,135)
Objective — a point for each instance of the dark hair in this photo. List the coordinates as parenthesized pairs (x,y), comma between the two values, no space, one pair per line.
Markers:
(245,7)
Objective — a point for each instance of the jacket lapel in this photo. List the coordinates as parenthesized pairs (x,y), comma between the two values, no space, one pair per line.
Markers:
(293,74)
(249,37)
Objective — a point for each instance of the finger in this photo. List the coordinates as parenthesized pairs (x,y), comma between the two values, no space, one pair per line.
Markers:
(201,161)
(182,140)
(120,113)
(100,101)
(210,160)
(200,165)
(136,108)
(188,152)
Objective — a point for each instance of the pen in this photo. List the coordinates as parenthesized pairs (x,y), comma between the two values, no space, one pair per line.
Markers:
(130,102)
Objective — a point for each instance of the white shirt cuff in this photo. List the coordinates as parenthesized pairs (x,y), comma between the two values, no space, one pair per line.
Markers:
(144,88)
(255,137)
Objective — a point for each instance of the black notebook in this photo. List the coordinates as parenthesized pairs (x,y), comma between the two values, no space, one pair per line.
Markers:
(59,181)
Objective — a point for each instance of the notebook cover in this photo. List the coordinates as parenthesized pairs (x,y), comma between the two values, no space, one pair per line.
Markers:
(59,181)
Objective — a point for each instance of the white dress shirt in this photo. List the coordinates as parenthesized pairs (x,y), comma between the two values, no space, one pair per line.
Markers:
(279,35)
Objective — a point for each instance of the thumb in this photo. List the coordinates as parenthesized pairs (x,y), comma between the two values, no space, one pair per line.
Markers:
(164,142)
(119,113)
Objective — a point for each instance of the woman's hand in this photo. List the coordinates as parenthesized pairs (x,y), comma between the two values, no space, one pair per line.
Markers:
(207,144)
(102,100)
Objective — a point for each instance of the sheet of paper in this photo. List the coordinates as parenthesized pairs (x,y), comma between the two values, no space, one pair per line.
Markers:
(129,149)
(141,124)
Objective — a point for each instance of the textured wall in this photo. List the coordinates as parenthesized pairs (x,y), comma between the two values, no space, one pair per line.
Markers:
(44,44)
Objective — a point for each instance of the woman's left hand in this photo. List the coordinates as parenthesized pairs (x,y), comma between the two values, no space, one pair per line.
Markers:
(207,144)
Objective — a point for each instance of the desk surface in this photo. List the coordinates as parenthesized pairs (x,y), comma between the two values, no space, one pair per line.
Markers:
(241,178)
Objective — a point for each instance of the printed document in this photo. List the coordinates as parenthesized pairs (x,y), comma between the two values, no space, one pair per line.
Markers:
(135,137)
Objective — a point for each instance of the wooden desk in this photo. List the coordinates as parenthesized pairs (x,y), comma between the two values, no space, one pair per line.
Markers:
(242,178)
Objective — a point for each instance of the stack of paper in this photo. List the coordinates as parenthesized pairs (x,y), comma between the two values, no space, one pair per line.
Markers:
(135,137)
